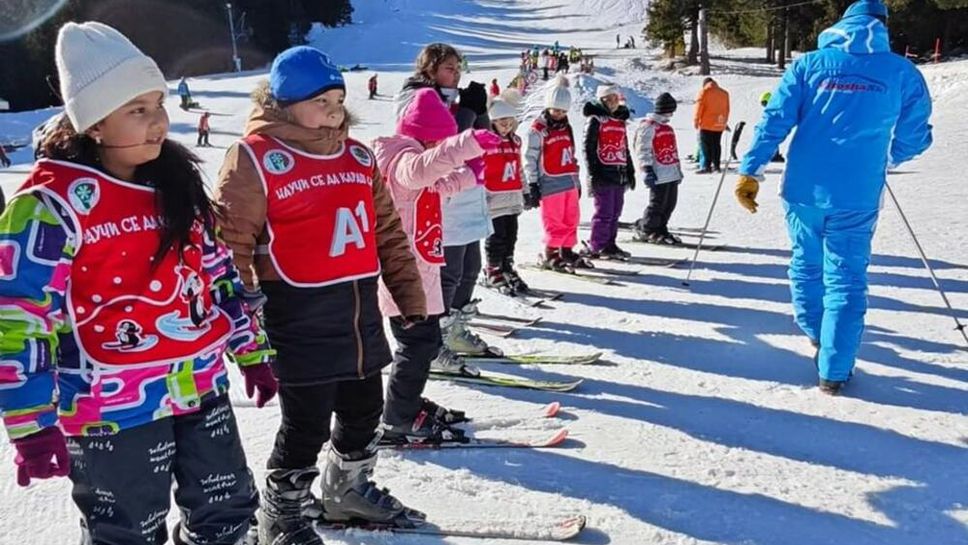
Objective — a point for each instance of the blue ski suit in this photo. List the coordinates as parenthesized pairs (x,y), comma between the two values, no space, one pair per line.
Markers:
(857,108)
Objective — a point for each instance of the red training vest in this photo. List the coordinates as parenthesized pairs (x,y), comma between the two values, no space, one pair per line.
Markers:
(664,146)
(612,143)
(502,167)
(557,150)
(126,309)
(319,211)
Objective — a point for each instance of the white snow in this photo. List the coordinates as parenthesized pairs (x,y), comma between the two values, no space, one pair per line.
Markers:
(708,427)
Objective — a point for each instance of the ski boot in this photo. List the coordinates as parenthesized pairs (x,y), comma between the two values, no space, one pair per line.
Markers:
(495,278)
(613,252)
(620,252)
(443,414)
(588,253)
(348,495)
(425,428)
(449,363)
(553,261)
(458,338)
(574,260)
(669,238)
(831,387)
(514,279)
(280,516)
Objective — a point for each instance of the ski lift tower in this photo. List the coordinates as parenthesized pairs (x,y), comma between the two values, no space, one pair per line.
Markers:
(236,61)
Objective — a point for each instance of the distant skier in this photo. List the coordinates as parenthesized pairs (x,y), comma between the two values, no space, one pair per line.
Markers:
(4,160)
(834,181)
(371,85)
(495,89)
(618,41)
(185,93)
(203,130)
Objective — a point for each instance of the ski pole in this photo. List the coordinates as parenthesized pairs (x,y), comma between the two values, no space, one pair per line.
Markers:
(924,259)
(709,217)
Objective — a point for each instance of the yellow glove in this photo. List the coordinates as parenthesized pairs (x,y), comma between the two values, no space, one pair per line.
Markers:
(746,189)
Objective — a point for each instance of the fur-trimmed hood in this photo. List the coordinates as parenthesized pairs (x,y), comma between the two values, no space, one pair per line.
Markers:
(267,117)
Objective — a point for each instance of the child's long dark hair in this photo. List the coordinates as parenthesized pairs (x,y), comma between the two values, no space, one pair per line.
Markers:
(180,196)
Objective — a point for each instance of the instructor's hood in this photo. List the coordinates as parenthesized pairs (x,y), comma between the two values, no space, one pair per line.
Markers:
(856,34)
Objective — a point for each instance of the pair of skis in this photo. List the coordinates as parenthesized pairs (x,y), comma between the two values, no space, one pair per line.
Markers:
(551,529)
(507,381)
(531,530)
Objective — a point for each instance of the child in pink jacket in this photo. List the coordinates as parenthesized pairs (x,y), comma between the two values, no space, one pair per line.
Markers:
(422,163)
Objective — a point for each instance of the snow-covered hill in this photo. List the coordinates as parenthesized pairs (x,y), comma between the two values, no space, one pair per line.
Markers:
(707,427)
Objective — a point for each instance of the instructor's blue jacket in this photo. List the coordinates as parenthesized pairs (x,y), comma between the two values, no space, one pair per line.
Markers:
(857,108)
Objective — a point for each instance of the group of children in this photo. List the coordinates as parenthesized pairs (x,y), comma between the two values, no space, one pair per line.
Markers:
(132,286)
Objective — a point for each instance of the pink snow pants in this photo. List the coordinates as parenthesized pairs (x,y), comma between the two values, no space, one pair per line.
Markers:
(560,215)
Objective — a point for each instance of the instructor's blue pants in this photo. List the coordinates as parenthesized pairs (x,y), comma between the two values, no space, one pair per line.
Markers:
(828,280)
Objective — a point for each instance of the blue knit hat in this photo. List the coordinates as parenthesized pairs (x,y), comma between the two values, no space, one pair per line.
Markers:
(302,72)
(873,8)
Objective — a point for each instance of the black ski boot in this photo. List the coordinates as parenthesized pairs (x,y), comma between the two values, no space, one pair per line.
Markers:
(574,260)
(424,429)
(348,494)
(517,284)
(443,414)
(587,252)
(831,387)
(280,514)
(613,252)
(552,260)
(495,278)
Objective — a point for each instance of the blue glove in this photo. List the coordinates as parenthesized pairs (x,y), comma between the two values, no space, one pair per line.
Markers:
(650,178)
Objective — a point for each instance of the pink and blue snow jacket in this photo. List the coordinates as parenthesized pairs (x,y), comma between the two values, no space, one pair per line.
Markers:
(44,379)
(856,107)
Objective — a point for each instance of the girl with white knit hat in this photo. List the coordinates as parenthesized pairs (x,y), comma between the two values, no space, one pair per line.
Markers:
(122,304)
(503,180)
(551,171)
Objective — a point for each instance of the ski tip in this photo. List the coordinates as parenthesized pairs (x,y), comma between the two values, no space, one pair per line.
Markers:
(570,527)
(557,439)
(551,409)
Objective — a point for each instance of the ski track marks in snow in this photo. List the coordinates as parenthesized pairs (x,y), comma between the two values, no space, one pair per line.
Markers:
(708,429)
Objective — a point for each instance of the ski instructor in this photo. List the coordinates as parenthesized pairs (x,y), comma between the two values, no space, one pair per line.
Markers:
(859,109)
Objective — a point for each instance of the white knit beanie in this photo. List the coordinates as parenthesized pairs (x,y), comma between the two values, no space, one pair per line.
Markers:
(100,70)
(558,96)
(606,89)
(508,104)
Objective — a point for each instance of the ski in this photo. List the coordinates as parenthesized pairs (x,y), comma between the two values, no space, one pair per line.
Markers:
(528,440)
(488,379)
(535,359)
(681,231)
(526,322)
(579,274)
(499,325)
(498,330)
(535,298)
(560,529)
(548,411)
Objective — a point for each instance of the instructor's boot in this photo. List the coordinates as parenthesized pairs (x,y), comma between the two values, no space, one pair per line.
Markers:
(280,515)
(348,494)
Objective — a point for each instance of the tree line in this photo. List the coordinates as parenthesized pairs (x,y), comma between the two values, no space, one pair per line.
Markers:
(915,26)
(185,37)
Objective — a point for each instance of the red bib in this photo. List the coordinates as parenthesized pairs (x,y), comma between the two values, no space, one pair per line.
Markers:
(428,231)
(557,151)
(502,167)
(126,309)
(612,143)
(319,211)
(664,145)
